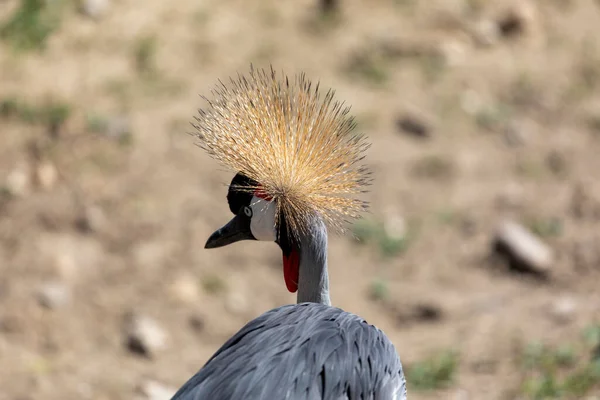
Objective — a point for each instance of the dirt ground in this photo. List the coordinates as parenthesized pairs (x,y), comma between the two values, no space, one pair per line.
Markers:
(105,212)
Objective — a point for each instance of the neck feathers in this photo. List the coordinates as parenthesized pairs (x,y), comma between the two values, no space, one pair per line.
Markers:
(313,279)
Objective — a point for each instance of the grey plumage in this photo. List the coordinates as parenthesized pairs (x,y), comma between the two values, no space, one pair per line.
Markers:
(306,351)
(298,164)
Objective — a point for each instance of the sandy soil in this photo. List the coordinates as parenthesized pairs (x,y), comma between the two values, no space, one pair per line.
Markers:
(511,135)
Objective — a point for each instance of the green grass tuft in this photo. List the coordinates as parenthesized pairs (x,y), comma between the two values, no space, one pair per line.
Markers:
(392,246)
(145,55)
(213,284)
(368,67)
(366,230)
(379,291)
(32,24)
(562,372)
(436,372)
(373,232)
(546,227)
(52,113)
(435,167)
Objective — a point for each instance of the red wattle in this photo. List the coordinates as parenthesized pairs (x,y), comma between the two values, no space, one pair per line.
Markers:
(291,268)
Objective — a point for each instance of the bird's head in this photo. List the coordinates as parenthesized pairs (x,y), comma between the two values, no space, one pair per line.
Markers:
(296,156)
(254,215)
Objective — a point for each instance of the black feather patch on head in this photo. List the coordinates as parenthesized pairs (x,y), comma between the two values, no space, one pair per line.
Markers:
(284,239)
(240,192)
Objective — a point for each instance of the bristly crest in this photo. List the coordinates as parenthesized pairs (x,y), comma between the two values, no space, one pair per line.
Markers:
(300,146)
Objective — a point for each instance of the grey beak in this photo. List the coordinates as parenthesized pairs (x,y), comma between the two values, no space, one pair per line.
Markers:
(235,230)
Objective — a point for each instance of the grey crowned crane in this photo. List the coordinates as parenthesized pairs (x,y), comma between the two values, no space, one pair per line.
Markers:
(297,163)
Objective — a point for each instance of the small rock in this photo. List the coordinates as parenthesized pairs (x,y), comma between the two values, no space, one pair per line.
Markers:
(584,205)
(523,250)
(453,52)
(414,125)
(85,390)
(95,9)
(517,20)
(5,288)
(119,128)
(510,25)
(152,254)
(461,394)
(395,227)
(515,134)
(11,324)
(92,219)
(53,295)
(472,102)
(435,167)
(468,226)
(18,181)
(563,309)
(579,201)
(46,175)
(329,6)
(185,289)
(511,197)
(428,312)
(65,265)
(586,255)
(197,323)
(143,335)
(236,303)
(152,390)
(418,313)
(557,163)
(485,33)
(69,256)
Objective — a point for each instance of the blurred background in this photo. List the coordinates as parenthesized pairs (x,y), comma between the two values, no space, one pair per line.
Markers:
(480,258)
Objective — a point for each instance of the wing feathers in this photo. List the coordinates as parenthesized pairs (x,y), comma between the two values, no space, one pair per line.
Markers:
(305,351)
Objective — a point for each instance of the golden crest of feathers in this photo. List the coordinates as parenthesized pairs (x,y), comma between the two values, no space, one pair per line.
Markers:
(300,146)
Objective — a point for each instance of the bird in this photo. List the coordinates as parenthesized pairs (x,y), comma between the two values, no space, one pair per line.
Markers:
(298,173)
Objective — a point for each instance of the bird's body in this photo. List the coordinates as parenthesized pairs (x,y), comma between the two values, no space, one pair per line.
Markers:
(296,161)
(307,351)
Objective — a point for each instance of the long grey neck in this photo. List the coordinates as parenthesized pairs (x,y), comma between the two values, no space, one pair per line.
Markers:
(313,279)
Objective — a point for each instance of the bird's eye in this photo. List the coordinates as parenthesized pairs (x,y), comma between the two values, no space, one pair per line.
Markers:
(248,211)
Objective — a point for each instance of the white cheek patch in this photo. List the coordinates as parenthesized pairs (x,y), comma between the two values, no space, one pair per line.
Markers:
(262,223)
